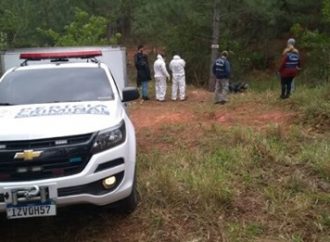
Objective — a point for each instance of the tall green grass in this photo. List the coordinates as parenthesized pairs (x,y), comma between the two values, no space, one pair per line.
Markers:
(314,103)
(311,101)
(238,183)
(208,183)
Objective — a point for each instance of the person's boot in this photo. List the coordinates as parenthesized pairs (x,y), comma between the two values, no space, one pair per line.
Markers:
(223,102)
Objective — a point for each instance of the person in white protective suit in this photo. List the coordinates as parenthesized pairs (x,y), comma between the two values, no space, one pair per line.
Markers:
(160,77)
(177,66)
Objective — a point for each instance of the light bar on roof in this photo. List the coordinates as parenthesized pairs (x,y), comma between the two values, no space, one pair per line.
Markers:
(60,55)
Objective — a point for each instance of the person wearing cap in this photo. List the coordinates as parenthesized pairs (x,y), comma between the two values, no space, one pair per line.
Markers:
(289,68)
(291,41)
(221,70)
(160,78)
(143,71)
(177,66)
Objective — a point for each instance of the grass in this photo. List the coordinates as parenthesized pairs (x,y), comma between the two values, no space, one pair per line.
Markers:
(211,184)
(238,183)
(314,103)
(203,180)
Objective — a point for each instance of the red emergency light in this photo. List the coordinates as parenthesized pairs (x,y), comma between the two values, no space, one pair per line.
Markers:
(60,55)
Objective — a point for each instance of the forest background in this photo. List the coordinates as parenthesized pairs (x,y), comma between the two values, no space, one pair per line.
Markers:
(254,31)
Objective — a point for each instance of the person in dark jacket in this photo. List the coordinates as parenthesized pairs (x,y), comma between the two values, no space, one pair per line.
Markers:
(289,68)
(143,71)
(221,70)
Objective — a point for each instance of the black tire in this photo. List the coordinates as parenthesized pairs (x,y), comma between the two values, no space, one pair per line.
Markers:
(129,204)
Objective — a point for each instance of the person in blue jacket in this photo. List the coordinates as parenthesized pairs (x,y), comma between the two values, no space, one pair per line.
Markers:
(221,70)
(143,71)
(289,69)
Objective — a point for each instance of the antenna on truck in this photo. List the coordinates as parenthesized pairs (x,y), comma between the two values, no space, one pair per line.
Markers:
(60,56)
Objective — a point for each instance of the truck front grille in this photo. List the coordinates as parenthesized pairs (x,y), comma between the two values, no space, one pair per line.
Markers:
(45,158)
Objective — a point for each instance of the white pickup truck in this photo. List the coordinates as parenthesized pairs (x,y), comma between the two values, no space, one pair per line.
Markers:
(65,136)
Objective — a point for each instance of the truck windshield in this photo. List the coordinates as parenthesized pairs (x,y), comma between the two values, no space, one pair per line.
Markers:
(55,85)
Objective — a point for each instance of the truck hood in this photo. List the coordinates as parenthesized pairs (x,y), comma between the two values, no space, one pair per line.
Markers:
(28,122)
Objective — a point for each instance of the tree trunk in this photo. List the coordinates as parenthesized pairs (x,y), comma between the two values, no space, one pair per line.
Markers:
(215,41)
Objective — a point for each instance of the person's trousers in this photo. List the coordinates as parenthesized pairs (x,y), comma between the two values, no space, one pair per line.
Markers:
(144,87)
(221,90)
(160,87)
(178,82)
(286,84)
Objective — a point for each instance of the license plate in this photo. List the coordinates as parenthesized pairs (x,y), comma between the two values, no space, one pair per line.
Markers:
(31,210)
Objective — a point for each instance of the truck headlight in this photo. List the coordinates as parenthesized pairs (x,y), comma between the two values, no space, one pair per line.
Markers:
(109,138)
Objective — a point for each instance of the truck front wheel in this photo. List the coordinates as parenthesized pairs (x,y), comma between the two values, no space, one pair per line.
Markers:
(128,204)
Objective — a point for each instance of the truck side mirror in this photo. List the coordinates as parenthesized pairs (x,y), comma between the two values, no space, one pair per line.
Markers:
(130,94)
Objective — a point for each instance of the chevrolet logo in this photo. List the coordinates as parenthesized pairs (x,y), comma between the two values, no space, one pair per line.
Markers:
(27,155)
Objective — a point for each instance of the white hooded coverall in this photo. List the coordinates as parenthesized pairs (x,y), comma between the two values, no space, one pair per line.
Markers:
(177,66)
(160,77)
